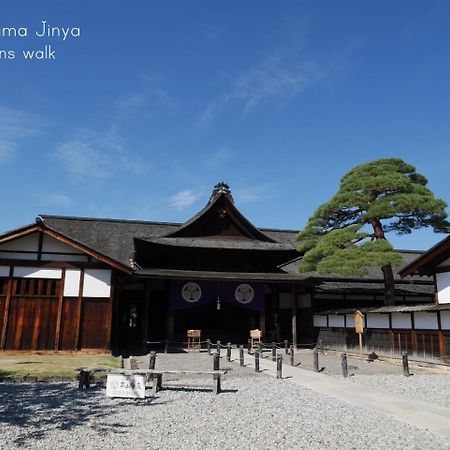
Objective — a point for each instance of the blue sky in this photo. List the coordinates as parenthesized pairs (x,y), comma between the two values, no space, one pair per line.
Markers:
(156,102)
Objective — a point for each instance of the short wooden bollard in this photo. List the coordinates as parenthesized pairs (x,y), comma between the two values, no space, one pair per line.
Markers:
(316,359)
(208,346)
(320,346)
(216,361)
(152,361)
(257,361)
(344,365)
(260,349)
(228,351)
(286,347)
(249,346)
(274,351)
(405,364)
(292,354)
(218,347)
(241,356)
(279,366)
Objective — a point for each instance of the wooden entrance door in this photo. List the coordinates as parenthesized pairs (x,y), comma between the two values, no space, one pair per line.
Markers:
(33,314)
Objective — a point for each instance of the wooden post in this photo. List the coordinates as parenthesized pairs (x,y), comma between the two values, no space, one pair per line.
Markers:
(316,359)
(218,347)
(294,316)
(320,345)
(405,364)
(241,356)
(78,331)
(6,310)
(249,343)
(151,364)
(216,361)
(274,351)
(260,348)
(257,361)
(217,387)
(344,365)
(279,366)
(286,346)
(208,346)
(60,310)
(145,314)
(228,351)
(292,355)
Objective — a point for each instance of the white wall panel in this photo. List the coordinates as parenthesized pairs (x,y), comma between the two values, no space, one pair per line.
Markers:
(27,243)
(425,321)
(72,283)
(445,320)
(336,321)
(350,321)
(97,283)
(374,320)
(51,244)
(401,320)
(36,272)
(21,256)
(319,321)
(68,258)
(443,287)
(4,271)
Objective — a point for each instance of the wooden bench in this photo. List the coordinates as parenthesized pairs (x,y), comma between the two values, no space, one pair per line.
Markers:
(155,375)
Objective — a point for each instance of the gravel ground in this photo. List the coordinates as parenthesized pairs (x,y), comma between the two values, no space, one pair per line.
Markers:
(255,411)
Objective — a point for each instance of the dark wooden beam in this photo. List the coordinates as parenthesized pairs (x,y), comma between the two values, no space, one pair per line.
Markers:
(145,313)
(112,300)
(79,312)
(60,309)
(6,310)
(294,315)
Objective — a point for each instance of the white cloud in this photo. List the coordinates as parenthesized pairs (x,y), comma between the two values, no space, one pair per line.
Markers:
(59,200)
(88,154)
(183,199)
(273,80)
(15,126)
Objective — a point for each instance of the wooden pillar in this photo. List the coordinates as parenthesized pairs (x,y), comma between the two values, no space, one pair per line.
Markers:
(6,310)
(77,342)
(442,349)
(145,313)
(60,310)
(112,300)
(294,316)
(170,325)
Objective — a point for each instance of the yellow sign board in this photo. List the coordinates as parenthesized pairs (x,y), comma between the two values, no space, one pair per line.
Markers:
(359,322)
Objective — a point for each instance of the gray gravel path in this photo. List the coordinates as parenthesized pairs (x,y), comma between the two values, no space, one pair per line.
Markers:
(255,411)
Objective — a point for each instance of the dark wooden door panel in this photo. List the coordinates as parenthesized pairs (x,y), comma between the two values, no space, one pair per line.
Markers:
(94,324)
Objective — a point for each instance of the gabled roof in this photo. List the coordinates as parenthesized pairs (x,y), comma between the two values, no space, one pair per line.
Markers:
(42,227)
(218,214)
(426,263)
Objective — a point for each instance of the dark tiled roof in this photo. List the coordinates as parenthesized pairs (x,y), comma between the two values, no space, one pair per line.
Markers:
(115,237)
(391,309)
(354,287)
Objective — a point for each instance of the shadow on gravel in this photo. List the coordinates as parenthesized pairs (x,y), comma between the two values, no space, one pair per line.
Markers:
(174,387)
(39,408)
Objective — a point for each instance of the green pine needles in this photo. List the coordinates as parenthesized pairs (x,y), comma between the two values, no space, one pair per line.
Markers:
(346,235)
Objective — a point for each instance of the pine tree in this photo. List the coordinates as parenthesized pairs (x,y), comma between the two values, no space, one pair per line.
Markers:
(347,235)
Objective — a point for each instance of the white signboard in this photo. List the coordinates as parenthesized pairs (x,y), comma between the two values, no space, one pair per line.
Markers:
(125,386)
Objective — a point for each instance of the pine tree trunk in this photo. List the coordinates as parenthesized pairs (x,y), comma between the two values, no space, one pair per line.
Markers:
(389,285)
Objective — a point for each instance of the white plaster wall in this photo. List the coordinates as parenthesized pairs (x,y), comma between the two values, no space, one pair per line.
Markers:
(36,272)
(443,287)
(27,243)
(445,320)
(72,283)
(425,321)
(319,321)
(97,283)
(401,320)
(336,321)
(21,256)
(50,244)
(69,258)
(445,263)
(4,271)
(374,320)
(350,321)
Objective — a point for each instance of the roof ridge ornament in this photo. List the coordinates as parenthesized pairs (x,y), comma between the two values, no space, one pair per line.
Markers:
(221,188)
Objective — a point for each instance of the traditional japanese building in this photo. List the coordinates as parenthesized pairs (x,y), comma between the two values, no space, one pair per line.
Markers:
(75,283)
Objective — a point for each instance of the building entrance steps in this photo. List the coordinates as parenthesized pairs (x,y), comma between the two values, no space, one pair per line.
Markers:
(419,413)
